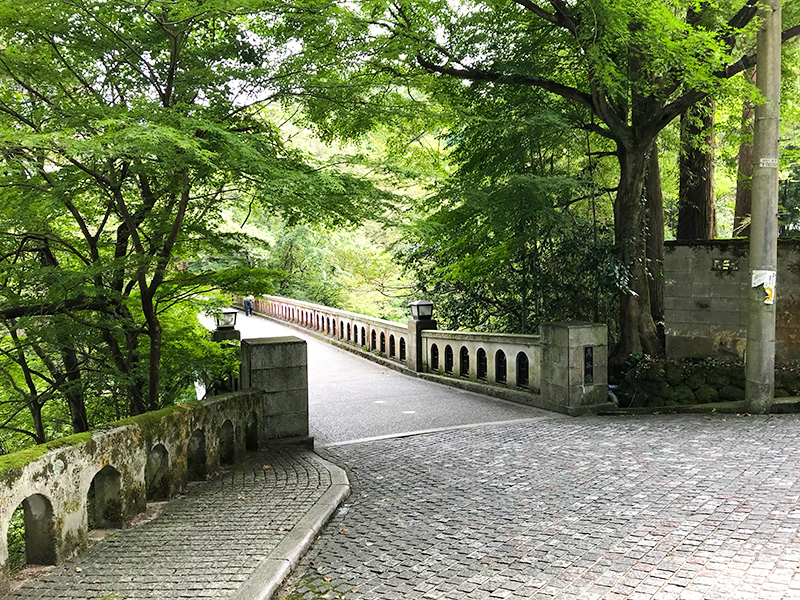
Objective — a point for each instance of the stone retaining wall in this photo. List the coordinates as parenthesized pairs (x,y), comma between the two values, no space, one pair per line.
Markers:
(707,291)
(104,478)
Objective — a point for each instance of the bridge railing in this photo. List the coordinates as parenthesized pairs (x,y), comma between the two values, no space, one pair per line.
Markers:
(563,369)
(383,337)
(494,358)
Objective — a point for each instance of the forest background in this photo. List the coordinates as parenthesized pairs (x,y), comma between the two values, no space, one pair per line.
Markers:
(515,162)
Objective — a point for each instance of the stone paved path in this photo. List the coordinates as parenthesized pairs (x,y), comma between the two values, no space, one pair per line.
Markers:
(655,507)
(203,544)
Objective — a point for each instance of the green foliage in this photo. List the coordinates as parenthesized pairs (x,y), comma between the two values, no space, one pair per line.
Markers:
(15,540)
(518,236)
(127,131)
(347,268)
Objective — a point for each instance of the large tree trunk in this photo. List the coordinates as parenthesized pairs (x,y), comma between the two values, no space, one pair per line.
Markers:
(74,389)
(696,218)
(744,175)
(637,329)
(35,409)
(655,236)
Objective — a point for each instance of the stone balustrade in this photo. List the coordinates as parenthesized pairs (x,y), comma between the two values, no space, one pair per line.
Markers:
(381,336)
(565,369)
(496,358)
(57,492)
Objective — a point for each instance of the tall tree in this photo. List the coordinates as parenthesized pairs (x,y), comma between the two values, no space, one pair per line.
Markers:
(696,210)
(125,130)
(628,69)
(744,170)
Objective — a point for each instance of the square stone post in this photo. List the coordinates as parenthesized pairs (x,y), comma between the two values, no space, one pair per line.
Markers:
(414,350)
(278,366)
(575,365)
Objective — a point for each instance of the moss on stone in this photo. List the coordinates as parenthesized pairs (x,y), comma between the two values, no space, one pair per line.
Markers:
(11,465)
(731,393)
(705,394)
(151,423)
(684,394)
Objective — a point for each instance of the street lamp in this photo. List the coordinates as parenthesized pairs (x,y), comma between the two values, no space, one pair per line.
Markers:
(421,310)
(225,320)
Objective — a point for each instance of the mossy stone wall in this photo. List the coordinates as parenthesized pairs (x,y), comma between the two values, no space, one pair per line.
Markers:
(61,471)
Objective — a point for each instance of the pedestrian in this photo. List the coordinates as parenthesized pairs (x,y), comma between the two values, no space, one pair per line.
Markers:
(248,305)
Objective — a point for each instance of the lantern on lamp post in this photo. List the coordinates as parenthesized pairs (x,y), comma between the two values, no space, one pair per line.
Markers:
(421,310)
(226,327)
(421,319)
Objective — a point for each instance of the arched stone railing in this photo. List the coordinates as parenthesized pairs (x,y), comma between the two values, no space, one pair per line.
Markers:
(105,477)
(369,333)
(468,345)
(564,369)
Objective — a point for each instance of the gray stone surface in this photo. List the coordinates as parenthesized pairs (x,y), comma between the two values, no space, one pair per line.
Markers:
(204,544)
(651,507)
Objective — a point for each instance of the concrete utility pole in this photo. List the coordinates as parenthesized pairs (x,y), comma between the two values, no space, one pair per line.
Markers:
(760,349)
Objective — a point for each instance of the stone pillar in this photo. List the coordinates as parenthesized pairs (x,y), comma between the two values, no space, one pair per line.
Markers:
(414,349)
(278,366)
(575,365)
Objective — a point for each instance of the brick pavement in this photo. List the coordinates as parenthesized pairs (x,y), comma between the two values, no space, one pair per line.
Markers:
(204,544)
(645,507)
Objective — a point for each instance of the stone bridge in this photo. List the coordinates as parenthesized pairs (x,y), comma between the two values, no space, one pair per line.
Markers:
(565,369)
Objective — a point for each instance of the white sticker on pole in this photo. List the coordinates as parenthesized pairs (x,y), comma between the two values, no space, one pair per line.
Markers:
(767,279)
(768,163)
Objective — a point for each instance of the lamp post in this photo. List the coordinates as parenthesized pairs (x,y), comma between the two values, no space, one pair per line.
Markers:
(421,319)
(226,327)
(421,310)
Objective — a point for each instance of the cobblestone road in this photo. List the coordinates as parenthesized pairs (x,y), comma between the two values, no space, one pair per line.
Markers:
(633,507)
(203,544)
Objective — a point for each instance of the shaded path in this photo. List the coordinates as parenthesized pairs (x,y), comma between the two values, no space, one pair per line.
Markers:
(203,544)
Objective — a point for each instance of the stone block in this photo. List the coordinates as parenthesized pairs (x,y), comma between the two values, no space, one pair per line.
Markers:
(285,426)
(276,380)
(678,289)
(681,303)
(589,334)
(676,318)
(681,346)
(724,318)
(292,401)
(555,334)
(729,289)
(678,265)
(555,393)
(555,362)
(268,353)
